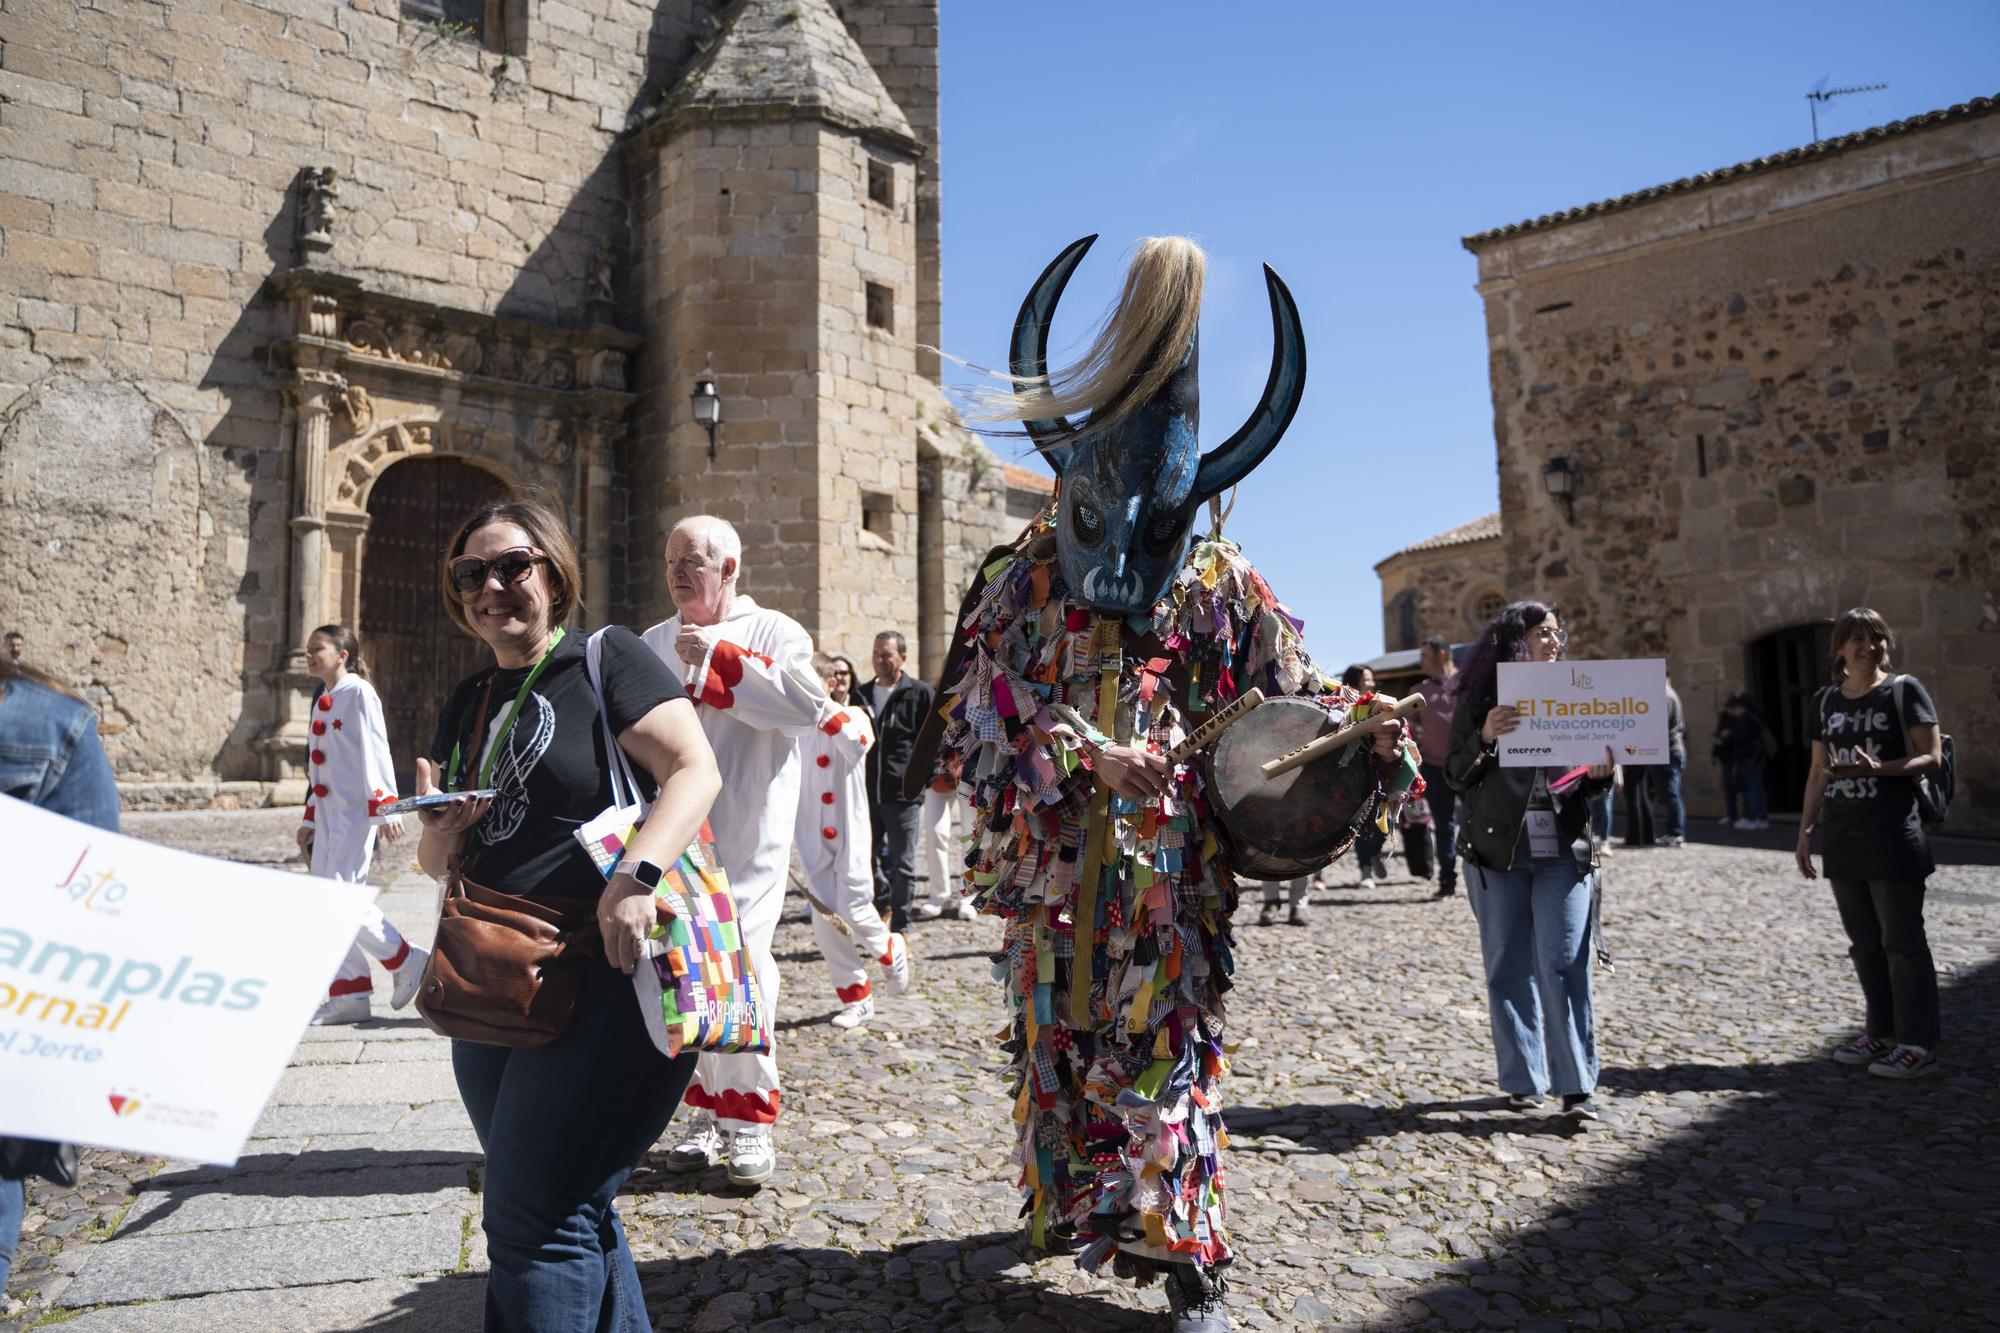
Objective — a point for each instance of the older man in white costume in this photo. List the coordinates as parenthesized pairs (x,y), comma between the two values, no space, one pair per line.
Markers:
(750,672)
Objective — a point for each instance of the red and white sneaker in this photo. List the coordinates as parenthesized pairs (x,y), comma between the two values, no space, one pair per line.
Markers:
(1905,1062)
(897,960)
(1863,1050)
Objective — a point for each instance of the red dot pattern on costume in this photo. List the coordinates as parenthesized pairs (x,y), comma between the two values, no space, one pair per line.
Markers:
(326,703)
(319,790)
(829,833)
(319,727)
(319,756)
(826,798)
(823,760)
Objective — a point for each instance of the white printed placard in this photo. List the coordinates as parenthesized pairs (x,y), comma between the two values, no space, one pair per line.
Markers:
(1571,711)
(150,998)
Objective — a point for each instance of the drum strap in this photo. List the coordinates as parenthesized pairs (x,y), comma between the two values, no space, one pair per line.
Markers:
(1097,832)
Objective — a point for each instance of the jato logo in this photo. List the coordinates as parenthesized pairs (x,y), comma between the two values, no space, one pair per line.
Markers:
(1580,680)
(92,890)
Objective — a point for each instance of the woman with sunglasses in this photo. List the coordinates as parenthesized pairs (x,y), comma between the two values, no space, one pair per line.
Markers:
(1518,831)
(564,1124)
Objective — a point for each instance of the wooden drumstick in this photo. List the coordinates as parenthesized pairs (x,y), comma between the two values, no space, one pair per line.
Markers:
(1347,735)
(1198,739)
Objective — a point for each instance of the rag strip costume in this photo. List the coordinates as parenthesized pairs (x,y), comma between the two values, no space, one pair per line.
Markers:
(1117,948)
(756,693)
(352,777)
(833,840)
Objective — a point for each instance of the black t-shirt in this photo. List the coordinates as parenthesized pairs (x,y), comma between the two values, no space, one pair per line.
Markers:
(552,772)
(1869,824)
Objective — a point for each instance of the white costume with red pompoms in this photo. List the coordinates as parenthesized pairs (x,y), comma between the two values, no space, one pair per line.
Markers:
(756,694)
(834,838)
(352,776)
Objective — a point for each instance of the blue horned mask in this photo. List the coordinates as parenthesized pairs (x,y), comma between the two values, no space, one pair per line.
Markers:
(1130,491)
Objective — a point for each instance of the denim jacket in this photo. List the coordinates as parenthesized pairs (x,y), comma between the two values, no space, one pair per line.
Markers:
(50,755)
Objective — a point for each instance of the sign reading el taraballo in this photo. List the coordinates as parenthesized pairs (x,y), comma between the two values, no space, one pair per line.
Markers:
(150,998)
(1572,711)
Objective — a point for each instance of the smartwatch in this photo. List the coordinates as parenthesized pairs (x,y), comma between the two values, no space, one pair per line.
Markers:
(647,873)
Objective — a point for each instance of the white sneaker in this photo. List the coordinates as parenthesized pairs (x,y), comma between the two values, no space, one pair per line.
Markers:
(898,964)
(1367,882)
(927,910)
(1744,825)
(405,980)
(700,1146)
(342,1009)
(1727,821)
(966,911)
(751,1156)
(856,1012)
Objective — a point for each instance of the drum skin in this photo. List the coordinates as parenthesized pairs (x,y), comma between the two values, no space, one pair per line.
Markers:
(1291,825)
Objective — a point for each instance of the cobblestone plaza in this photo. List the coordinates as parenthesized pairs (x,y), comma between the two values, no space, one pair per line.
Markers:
(1738,1179)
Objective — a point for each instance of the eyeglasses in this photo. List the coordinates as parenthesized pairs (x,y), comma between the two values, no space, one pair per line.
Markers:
(469,572)
(1558,637)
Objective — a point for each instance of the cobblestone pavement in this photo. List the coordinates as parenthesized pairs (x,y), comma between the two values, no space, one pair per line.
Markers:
(1739,1179)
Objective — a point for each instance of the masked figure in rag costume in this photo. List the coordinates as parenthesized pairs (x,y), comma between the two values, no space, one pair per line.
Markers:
(1102,857)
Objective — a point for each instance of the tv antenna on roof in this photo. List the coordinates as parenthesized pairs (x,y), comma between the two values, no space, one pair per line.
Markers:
(1821,93)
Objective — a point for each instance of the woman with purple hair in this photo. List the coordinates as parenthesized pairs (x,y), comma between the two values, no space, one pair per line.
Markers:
(1530,893)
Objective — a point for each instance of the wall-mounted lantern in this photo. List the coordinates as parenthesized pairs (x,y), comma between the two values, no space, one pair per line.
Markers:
(1559,480)
(707,410)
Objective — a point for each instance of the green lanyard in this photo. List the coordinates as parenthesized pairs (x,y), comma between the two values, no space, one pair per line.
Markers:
(500,738)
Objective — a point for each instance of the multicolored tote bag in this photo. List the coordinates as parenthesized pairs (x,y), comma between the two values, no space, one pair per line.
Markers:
(697,984)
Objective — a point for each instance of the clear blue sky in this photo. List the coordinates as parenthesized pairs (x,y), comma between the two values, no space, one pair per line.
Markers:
(1350,146)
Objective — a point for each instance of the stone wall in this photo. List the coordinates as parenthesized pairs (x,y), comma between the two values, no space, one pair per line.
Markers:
(1445,589)
(1780,393)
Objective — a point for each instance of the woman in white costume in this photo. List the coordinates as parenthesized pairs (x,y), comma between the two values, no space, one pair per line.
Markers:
(833,837)
(351,777)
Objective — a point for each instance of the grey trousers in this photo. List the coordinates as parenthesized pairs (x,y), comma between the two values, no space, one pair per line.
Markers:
(896,834)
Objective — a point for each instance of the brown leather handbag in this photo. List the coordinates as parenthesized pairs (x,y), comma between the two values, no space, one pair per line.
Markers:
(504,969)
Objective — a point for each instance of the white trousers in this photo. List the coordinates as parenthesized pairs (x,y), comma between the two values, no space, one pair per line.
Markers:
(937,860)
(376,939)
(852,897)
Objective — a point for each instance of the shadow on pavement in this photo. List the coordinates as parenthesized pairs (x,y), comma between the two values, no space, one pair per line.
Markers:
(920,1284)
(1816,1196)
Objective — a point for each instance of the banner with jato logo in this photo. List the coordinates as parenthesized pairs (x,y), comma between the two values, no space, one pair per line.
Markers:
(149,998)
(1571,711)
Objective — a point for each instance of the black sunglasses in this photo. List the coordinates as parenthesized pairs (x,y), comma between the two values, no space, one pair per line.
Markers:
(469,572)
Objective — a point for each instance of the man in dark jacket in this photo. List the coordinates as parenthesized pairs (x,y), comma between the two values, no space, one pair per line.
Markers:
(900,705)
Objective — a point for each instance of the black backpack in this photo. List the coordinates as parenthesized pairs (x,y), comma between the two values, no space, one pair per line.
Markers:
(1934,789)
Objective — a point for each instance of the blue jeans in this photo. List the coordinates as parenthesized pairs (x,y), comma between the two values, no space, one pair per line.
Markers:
(1534,934)
(562,1128)
(12,1202)
(1676,812)
(1600,815)
(1755,804)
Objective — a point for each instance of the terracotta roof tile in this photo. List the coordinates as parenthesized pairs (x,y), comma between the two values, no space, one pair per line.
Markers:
(1478,530)
(1027,479)
(1978,106)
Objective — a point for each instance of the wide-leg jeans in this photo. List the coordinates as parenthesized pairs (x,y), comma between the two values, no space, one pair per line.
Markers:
(563,1127)
(1534,936)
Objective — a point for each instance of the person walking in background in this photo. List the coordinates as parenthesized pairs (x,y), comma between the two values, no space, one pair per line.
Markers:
(561,1124)
(1873,736)
(1290,892)
(1529,893)
(833,840)
(351,776)
(1434,744)
(1670,772)
(1749,749)
(1368,844)
(50,757)
(942,861)
(900,703)
(750,671)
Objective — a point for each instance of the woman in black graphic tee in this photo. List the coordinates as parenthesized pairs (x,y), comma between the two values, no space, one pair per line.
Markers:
(1874,734)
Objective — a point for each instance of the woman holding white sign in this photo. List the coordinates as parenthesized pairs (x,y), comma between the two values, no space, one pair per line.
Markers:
(563,1112)
(1529,892)
(1874,736)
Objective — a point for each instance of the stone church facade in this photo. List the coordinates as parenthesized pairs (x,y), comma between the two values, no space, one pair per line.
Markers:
(1775,390)
(287,287)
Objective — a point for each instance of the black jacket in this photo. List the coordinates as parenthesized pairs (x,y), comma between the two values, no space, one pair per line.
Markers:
(1496,798)
(900,712)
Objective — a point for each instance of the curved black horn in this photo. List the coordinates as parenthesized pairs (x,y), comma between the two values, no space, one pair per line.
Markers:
(1231,461)
(1029,355)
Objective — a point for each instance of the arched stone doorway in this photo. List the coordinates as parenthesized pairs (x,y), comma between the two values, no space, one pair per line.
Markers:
(1785,669)
(415,653)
